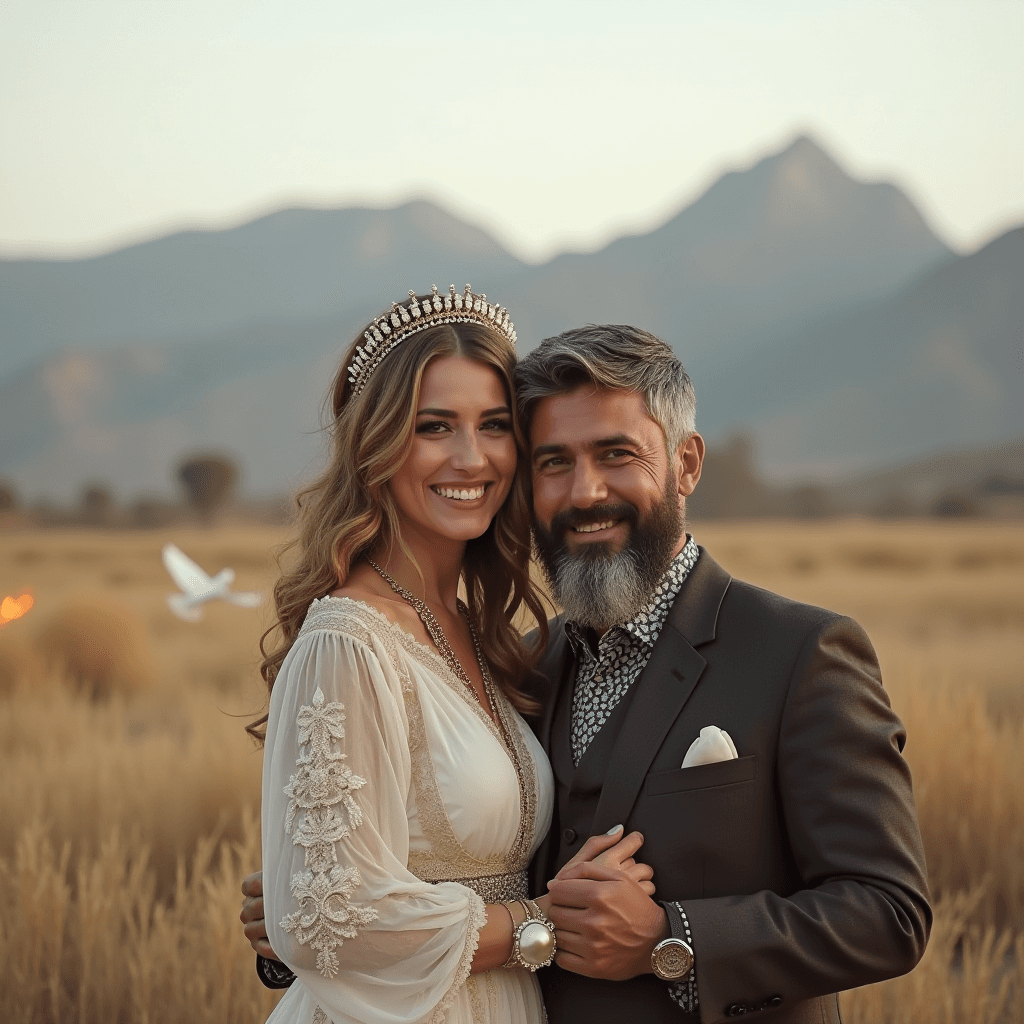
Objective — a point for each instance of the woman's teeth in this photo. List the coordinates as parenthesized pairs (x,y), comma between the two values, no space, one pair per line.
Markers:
(594,527)
(465,494)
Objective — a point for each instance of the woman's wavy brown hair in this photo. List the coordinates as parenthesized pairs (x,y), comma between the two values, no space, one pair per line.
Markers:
(349,509)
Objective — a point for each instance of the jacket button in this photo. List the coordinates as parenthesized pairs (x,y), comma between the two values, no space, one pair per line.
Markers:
(735,1010)
(771,1003)
(569,835)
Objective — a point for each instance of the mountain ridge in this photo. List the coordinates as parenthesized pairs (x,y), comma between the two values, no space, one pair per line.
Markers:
(767,255)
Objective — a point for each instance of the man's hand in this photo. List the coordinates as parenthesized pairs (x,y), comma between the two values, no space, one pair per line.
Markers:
(252,915)
(605,921)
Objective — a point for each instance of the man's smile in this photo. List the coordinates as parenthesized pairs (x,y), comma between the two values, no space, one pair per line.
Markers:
(595,527)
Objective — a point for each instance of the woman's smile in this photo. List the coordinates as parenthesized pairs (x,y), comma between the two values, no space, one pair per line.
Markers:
(460,493)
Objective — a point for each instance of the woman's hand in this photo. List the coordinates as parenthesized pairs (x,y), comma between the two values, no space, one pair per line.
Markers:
(616,851)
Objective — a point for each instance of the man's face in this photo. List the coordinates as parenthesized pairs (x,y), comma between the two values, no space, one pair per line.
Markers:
(606,498)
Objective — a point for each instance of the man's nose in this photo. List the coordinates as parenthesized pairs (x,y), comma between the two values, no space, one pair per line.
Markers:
(468,455)
(588,486)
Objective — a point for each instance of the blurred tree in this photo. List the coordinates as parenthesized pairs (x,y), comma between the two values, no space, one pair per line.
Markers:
(209,482)
(8,497)
(96,506)
(730,486)
(956,504)
(999,484)
(895,505)
(811,501)
(150,513)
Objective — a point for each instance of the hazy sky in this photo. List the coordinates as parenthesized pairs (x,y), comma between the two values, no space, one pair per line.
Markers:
(552,124)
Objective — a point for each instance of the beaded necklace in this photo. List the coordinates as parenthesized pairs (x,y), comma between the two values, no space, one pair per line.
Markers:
(499,712)
(440,641)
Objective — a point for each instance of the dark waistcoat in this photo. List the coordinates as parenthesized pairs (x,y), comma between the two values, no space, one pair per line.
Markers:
(569,997)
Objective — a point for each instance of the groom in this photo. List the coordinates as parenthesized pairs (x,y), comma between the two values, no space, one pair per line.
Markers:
(746,736)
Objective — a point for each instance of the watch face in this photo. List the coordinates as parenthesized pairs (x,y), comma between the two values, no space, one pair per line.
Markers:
(671,959)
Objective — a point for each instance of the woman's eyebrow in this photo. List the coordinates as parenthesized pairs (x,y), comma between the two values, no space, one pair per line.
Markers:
(451,414)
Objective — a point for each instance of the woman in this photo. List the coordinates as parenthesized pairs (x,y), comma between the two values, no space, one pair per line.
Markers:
(403,795)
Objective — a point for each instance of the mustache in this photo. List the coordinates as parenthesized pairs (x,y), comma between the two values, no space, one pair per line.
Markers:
(570,517)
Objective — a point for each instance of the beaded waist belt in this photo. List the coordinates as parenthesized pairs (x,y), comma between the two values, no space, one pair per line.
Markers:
(496,888)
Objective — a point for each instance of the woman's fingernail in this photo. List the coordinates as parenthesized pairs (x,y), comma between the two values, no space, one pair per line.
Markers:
(612,831)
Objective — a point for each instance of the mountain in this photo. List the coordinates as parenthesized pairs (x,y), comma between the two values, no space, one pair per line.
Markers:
(762,253)
(286,267)
(939,364)
(124,415)
(114,366)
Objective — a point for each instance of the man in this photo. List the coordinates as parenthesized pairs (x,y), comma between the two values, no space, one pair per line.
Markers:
(786,851)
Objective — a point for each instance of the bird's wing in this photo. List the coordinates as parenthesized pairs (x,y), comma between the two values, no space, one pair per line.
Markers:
(244,598)
(185,573)
(183,608)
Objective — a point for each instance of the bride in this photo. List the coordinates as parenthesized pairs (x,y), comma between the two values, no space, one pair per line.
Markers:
(403,794)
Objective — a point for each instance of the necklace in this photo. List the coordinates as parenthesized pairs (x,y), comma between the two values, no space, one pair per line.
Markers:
(505,726)
(440,641)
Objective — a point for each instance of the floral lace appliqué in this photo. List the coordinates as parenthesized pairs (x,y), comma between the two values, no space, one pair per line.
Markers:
(323,788)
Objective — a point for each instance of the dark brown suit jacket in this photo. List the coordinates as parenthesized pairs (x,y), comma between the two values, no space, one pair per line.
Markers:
(799,865)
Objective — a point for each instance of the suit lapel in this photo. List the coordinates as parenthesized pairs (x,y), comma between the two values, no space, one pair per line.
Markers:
(558,668)
(664,687)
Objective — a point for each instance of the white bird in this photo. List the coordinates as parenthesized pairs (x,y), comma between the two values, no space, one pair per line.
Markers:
(198,588)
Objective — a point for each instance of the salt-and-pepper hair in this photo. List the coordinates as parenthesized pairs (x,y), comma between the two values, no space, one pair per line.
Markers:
(615,357)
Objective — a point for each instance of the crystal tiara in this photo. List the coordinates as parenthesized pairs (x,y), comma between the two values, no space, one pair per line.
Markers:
(390,329)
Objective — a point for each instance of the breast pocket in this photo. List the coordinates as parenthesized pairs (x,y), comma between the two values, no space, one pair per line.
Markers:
(706,820)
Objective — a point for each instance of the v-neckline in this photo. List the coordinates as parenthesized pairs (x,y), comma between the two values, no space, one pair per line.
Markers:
(438,662)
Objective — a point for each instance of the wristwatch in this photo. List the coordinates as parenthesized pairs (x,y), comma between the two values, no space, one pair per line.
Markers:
(672,959)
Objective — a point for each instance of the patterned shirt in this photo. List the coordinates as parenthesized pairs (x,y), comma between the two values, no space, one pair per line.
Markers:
(622,653)
(603,680)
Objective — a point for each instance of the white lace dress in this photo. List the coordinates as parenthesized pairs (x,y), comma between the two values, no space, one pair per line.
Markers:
(392,811)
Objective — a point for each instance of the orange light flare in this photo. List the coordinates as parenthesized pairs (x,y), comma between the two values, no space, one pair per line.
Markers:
(12,608)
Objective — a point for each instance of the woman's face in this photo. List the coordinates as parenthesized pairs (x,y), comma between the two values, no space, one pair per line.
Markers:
(463,456)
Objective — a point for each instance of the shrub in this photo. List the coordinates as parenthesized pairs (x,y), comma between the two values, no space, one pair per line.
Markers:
(102,647)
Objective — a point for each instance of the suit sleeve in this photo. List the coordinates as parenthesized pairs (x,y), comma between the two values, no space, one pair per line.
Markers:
(847,800)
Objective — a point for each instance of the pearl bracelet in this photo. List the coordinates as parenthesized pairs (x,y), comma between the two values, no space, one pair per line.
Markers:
(533,941)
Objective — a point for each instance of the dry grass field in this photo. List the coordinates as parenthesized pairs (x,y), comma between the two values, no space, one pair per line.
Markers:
(129,810)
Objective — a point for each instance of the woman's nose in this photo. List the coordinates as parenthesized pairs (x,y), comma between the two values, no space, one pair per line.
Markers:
(468,454)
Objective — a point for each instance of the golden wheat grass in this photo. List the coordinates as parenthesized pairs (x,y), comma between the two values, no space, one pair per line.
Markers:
(95,945)
(127,822)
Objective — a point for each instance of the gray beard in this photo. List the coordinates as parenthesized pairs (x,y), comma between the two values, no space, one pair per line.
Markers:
(600,588)
(600,593)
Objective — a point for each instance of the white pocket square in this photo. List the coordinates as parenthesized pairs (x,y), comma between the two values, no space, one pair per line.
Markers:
(712,745)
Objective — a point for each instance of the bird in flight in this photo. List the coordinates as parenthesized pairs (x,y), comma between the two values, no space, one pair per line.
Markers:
(198,588)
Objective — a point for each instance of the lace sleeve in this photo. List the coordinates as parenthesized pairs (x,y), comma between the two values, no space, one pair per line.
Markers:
(343,911)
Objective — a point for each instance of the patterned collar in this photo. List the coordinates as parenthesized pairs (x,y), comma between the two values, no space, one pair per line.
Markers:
(647,624)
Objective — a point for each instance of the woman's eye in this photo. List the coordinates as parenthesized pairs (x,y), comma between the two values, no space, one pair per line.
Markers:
(497,425)
(432,427)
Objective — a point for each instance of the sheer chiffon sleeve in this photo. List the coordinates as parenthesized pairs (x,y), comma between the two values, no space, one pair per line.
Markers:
(369,940)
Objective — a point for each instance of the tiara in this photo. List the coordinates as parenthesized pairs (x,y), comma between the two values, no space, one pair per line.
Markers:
(390,329)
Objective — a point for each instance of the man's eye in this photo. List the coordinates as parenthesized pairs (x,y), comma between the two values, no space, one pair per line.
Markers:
(432,427)
(617,453)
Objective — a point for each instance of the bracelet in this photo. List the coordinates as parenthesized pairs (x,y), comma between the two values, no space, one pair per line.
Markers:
(533,941)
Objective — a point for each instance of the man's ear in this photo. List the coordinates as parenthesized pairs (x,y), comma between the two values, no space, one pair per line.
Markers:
(688,460)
